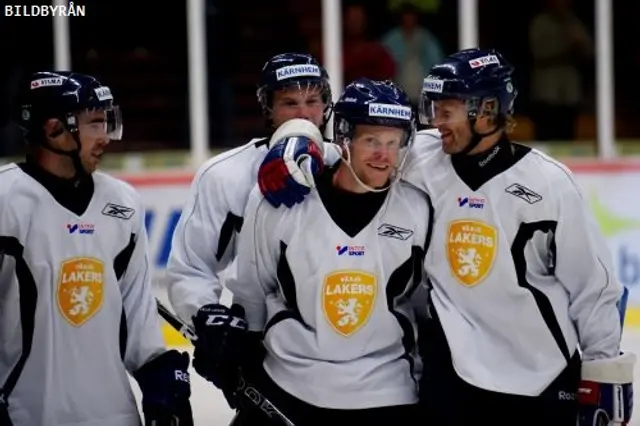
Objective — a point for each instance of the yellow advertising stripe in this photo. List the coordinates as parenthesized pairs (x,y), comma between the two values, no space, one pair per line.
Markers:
(173,338)
(632,319)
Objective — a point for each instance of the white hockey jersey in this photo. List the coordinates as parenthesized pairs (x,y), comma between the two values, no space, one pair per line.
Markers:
(520,272)
(339,329)
(76,308)
(204,241)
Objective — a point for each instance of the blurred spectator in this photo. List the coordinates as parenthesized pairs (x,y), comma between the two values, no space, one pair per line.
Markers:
(414,48)
(426,6)
(363,57)
(219,68)
(560,44)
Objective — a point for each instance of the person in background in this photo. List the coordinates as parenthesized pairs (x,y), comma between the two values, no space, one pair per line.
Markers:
(559,44)
(414,48)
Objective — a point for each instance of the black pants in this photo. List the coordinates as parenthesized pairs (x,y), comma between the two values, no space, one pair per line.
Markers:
(304,414)
(447,400)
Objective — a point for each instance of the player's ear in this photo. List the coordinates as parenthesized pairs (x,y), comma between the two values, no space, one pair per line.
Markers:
(54,130)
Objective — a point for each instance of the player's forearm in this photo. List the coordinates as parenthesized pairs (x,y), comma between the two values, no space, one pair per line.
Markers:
(144,334)
(189,292)
(598,323)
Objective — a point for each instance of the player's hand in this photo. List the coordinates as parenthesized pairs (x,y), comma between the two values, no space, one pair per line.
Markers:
(287,173)
(220,347)
(164,382)
(605,394)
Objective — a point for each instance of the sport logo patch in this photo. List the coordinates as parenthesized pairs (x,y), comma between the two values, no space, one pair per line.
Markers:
(46,82)
(483,61)
(296,71)
(118,211)
(523,192)
(80,289)
(103,93)
(471,250)
(350,250)
(471,202)
(81,228)
(399,112)
(393,231)
(347,300)
(433,85)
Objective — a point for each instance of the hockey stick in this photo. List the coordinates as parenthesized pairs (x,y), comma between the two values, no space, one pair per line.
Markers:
(248,392)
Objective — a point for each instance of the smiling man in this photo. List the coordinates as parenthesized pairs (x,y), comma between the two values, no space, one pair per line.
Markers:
(525,310)
(321,284)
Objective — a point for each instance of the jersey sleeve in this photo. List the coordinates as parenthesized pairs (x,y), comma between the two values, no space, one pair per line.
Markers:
(144,334)
(194,264)
(584,267)
(256,261)
(332,153)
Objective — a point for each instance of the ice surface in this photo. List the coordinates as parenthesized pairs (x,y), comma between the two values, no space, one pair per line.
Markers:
(211,409)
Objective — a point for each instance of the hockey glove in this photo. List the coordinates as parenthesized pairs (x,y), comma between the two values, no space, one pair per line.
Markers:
(287,173)
(164,382)
(605,394)
(219,349)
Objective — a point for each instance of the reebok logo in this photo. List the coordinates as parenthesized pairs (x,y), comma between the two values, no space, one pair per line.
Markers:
(393,231)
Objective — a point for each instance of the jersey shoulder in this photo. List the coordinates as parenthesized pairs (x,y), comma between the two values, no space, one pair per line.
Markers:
(231,167)
(10,177)
(426,162)
(426,148)
(414,198)
(415,207)
(117,192)
(267,218)
(10,174)
(428,140)
(556,177)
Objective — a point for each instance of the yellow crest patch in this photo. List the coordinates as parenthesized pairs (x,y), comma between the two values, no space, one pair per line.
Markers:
(471,250)
(347,300)
(80,289)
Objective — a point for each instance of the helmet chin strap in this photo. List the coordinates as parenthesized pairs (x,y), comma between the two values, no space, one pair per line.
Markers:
(476,137)
(73,154)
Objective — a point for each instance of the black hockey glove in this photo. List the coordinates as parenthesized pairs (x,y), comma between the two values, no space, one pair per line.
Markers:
(164,382)
(220,347)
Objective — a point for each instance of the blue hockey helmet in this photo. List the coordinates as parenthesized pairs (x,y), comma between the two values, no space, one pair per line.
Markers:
(377,103)
(480,77)
(292,70)
(63,95)
(374,103)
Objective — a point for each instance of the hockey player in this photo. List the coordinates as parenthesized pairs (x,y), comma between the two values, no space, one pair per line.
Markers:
(291,86)
(331,299)
(521,276)
(77,311)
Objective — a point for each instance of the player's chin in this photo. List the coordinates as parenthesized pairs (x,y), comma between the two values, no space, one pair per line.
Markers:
(377,180)
(91,165)
(450,147)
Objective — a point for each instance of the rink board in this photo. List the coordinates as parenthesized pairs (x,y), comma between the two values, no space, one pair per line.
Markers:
(612,190)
